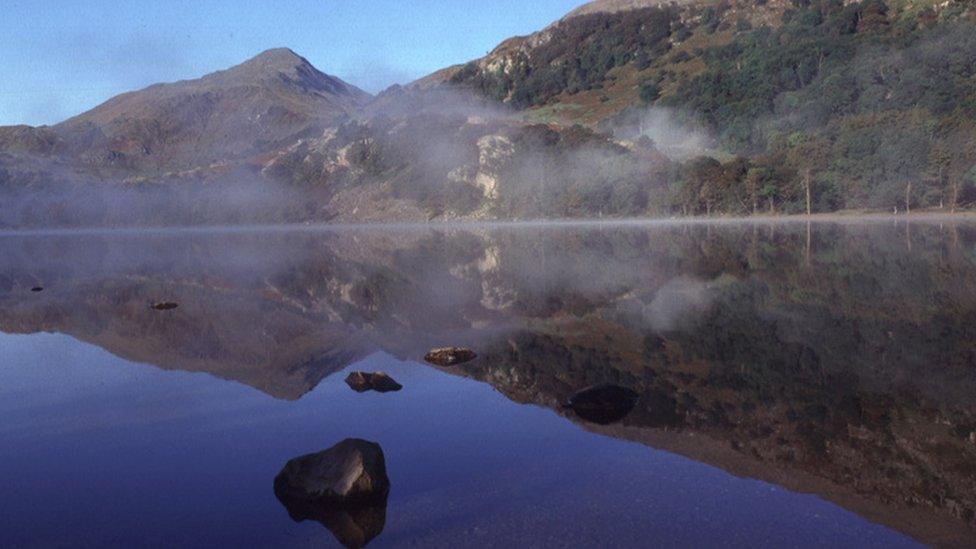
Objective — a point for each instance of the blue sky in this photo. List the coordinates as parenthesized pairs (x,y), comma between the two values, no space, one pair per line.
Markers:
(60,58)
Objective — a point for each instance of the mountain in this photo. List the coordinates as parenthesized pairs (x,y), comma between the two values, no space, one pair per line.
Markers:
(619,109)
(264,103)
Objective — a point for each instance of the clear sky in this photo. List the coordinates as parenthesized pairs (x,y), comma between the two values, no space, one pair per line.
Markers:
(60,58)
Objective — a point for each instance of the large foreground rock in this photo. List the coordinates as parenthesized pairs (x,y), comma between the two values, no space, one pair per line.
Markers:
(344,488)
(353,471)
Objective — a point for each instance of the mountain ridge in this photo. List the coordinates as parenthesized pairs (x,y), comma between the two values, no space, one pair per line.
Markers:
(256,106)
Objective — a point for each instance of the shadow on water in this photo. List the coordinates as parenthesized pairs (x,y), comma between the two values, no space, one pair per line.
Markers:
(828,358)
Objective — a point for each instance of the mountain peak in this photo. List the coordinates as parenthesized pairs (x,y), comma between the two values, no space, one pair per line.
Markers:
(283,66)
(280,58)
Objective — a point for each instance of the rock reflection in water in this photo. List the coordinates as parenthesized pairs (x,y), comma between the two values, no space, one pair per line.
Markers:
(603,404)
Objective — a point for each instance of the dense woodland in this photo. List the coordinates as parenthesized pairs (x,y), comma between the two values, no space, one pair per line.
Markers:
(857,106)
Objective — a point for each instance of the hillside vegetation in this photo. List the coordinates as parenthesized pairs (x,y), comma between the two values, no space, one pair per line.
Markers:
(812,103)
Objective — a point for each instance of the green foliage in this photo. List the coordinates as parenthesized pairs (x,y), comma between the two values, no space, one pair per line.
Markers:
(650,92)
(578,57)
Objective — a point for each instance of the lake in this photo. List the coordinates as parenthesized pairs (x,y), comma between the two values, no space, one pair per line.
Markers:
(800,384)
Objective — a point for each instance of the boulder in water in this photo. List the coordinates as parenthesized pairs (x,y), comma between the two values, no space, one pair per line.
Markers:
(345,488)
(353,471)
(37,289)
(603,404)
(380,382)
(450,356)
(164,305)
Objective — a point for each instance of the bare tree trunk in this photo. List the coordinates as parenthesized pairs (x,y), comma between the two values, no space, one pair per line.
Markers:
(954,196)
(908,198)
(807,176)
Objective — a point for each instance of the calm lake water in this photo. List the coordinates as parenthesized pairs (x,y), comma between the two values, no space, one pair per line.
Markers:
(800,385)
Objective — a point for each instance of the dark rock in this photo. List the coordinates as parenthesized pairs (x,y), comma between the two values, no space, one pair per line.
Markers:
(164,306)
(603,404)
(360,381)
(450,356)
(379,382)
(353,471)
(37,289)
(345,488)
(383,383)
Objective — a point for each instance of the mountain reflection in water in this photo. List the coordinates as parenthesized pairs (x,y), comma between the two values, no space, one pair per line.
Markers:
(834,359)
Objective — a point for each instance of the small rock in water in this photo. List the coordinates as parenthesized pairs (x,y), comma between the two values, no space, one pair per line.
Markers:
(164,306)
(345,488)
(379,382)
(359,381)
(37,289)
(603,404)
(450,356)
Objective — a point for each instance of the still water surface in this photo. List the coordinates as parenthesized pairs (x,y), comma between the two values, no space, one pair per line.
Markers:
(800,385)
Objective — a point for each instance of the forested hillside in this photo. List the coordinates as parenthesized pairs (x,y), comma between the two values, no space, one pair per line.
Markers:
(810,103)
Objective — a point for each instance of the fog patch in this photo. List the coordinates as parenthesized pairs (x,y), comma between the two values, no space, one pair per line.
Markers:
(679,303)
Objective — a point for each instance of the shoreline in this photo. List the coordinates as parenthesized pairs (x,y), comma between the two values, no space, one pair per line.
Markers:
(832,217)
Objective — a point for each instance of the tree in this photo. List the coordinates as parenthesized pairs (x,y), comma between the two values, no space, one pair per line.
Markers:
(650,92)
(809,155)
(755,180)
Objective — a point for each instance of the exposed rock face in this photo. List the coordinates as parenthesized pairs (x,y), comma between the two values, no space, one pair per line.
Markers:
(603,404)
(450,356)
(380,382)
(351,472)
